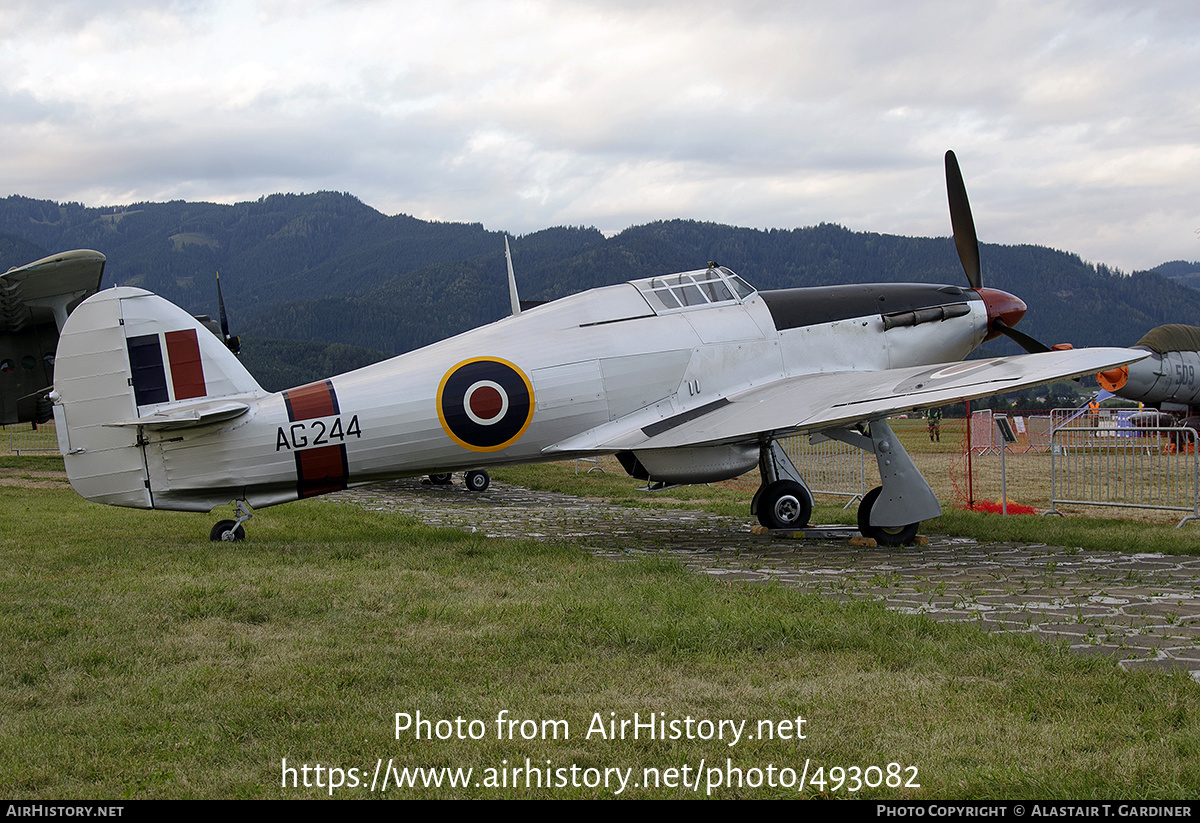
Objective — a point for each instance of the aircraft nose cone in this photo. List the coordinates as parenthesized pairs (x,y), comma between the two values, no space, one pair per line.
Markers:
(1002,306)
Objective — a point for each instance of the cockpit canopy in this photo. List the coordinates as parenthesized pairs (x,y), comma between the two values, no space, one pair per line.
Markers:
(693,289)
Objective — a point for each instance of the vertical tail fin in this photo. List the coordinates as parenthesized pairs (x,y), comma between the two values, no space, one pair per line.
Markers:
(125,354)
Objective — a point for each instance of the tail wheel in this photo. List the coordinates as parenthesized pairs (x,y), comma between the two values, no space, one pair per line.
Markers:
(477,481)
(227,531)
(784,504)
(883,535)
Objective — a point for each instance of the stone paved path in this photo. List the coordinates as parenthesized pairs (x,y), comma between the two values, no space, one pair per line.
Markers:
(1142,608)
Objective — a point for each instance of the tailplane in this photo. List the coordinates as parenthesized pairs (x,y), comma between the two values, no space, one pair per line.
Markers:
(127,360)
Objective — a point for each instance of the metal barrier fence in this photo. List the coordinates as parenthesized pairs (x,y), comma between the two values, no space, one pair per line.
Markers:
(1094,418)
(983,435)
(1040,429)
(1033,432)
(1125,466)
(24,439)
(830,467)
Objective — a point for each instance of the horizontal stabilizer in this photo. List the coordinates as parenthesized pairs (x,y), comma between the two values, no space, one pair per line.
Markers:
(181,417)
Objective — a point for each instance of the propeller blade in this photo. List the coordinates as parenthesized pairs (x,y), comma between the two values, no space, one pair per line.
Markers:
(1023,340)
(967,242)
(221,307)
(233,343)
(962,223)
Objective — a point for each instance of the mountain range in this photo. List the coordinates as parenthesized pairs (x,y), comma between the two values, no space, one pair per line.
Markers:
(320,283)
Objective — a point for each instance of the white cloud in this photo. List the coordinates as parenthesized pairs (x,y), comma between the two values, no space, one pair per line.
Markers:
(1076,123)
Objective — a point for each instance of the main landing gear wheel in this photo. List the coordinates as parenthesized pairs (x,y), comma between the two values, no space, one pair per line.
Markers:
(440,479)
(784,505)
(883,535)
(227,531)
(477,480)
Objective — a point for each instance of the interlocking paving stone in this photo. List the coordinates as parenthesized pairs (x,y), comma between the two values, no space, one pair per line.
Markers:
(1141,608)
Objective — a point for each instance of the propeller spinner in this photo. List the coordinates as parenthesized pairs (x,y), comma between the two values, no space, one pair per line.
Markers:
(1004,310)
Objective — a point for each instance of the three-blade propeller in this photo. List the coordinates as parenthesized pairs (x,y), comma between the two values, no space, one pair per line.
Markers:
(1000,304)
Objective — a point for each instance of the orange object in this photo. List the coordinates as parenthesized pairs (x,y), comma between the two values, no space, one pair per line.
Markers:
(1113,379)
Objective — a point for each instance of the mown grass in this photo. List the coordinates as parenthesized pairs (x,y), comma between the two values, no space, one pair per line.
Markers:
(32,463)
(140,660)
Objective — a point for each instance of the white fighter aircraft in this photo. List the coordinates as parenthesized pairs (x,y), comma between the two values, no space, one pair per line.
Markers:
(687,378)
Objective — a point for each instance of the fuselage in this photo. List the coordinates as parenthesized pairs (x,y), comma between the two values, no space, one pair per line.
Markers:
(506,392)
(1169,378)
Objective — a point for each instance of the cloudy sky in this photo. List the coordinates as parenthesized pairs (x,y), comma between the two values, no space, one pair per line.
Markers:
(1077,124)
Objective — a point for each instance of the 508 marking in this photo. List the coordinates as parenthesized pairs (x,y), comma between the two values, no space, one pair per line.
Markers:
(307,434)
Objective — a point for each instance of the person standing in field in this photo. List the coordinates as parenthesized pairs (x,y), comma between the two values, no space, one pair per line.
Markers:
(933,419)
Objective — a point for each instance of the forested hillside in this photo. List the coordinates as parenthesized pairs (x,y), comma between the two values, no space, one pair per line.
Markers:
(281,364)
(327,268)
(278,248)
(1184,272)
(16,251)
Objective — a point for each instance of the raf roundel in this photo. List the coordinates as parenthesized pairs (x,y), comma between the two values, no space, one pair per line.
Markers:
(485,404)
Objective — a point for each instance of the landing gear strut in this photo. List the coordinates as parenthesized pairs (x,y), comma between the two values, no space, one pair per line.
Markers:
(231,531)
(891,513)
(782,500)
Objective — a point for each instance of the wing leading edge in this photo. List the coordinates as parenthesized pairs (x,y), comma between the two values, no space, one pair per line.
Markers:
(813,402)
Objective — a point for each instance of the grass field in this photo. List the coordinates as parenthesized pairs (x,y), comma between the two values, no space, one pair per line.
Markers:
(141,661)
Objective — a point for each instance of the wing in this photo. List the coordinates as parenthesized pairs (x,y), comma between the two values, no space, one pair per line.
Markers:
(48,289)
(34,303)
(819,401)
